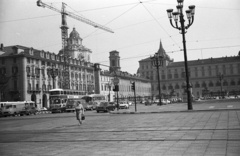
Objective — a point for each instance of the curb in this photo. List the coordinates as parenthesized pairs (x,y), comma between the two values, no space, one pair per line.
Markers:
(44,112)
(183,111)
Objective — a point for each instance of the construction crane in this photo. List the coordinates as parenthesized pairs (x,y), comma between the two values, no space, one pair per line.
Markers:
(65,13)
(64,29)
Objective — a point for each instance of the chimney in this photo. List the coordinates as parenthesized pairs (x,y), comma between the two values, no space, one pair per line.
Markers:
(2,47)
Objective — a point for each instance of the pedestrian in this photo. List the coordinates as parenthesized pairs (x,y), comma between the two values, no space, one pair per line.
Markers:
(79,112)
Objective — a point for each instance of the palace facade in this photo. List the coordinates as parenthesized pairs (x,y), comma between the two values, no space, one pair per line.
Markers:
(28,74)
(208,77)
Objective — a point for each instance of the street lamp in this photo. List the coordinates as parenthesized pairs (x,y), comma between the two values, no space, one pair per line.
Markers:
(220,79)
(109,85)
(53,72)
(190,15)
(157,61)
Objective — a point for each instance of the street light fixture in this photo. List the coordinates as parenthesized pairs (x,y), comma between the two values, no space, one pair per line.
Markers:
(53,72)
(109,84)
(157,61)
(190,15)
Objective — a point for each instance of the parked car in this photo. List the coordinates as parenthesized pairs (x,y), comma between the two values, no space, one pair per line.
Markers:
(28,111)
(148,102)
(130,103)
(123,105)
(164,102)
(105,107)
(89,107)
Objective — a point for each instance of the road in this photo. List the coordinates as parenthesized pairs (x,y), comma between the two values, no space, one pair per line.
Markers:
(163,130)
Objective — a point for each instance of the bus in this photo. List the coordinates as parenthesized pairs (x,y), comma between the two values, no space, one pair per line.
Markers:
(93,100)
(15,108)
(58,98)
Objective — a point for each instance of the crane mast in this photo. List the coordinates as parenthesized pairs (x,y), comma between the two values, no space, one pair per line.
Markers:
(64,29)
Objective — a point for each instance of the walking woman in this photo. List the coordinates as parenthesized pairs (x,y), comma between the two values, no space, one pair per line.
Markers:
(79,112)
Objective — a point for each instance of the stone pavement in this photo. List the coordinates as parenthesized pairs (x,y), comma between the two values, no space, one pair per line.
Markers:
(180,133)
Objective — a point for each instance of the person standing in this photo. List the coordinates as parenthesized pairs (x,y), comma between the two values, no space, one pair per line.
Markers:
(79,112)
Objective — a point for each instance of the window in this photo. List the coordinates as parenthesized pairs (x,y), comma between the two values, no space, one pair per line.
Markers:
(170,87)
(231,69)
(28,70)
(204,85)
(163,77)
(169,74)
(203,72)
(197,85)
(225,83)
(217,70)
(113,63)
(177,86)
(14,70)
(44,87)
(14,60)
(232,82)
(209,71)
(239,68)
(224,69)
(210,84)
(15,84)
(196,72)
(176,75)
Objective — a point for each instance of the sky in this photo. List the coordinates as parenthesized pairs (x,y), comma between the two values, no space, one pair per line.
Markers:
(138,28)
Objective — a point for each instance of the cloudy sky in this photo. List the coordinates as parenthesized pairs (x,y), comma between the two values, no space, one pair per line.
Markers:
(138,28)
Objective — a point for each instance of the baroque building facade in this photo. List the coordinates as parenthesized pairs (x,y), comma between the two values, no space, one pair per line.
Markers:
(27,73)
(208,77)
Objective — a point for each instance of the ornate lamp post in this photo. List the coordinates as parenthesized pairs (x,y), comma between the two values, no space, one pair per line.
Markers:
(220,79)
(190,15)
(109,85)
(157,61)
(53,72)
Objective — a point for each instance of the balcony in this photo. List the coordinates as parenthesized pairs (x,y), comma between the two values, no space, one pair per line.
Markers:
(34,90)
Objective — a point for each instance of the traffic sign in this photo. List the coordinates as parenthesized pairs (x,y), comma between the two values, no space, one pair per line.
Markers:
(116,80)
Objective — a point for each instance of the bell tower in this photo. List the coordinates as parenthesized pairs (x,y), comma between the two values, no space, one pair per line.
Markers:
(114,60)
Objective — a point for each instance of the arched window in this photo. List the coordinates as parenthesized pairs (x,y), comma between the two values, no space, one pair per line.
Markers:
(210,84)
(225,83)
(176,86)
(197,85)
(232,83)
(76,76)
(204,85)
(218,83)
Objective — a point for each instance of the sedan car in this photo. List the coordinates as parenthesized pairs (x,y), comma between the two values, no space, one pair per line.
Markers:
(123,105)
(105,107)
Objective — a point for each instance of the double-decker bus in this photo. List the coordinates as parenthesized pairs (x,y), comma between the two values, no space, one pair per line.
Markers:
(59,99)
(93,100)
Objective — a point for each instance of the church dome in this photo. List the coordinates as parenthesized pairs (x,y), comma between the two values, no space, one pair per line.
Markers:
(74,34)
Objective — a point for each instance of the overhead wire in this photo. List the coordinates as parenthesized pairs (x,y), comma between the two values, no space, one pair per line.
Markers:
(133,57)
(159,24)
(113,19)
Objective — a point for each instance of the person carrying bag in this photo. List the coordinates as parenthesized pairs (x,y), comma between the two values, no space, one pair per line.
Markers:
(79,112)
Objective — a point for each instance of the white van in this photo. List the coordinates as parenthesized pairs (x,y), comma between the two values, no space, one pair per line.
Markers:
(18,108)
